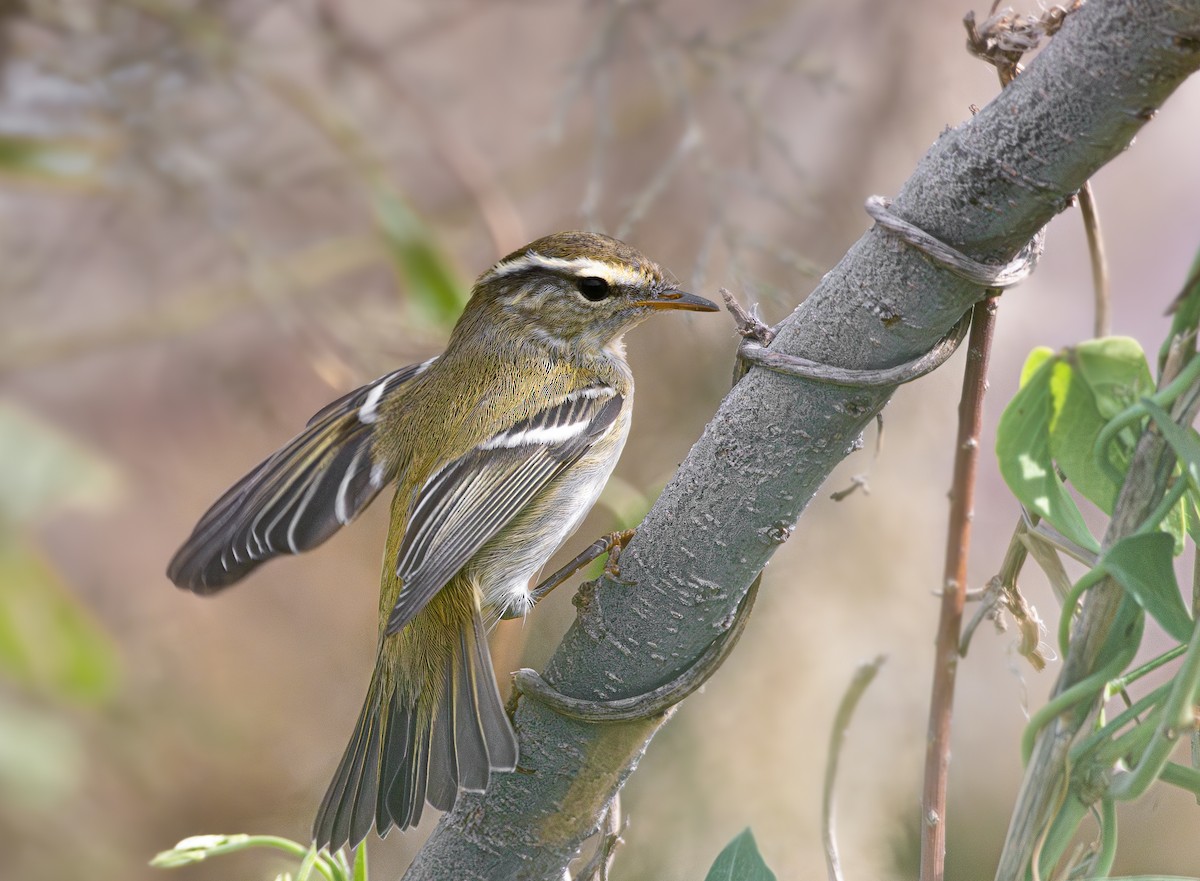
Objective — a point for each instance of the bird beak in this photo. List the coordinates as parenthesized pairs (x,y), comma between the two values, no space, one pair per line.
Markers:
(672,299)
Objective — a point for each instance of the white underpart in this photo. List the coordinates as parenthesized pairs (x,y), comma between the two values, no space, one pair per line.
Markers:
(510,593)
(515,593)
(553,434)
(581,267)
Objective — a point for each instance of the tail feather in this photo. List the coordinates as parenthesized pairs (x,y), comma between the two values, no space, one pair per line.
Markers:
(443,753)
(366,792)
(409,748)
(399,739)
(470,744)
(406,799)
(343,815)
(488,708)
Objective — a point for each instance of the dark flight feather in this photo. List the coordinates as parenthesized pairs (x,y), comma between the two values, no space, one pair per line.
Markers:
(298,497)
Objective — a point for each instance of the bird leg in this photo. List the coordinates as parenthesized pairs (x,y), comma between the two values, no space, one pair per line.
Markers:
(654,702)
(610,544)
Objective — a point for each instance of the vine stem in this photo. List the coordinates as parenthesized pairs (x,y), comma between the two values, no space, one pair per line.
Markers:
(958,541)
(1102,322)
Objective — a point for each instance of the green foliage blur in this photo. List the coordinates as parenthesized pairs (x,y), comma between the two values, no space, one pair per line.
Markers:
(1074,425)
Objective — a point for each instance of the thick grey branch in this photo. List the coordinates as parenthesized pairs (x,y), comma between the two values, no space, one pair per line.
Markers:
(985,187)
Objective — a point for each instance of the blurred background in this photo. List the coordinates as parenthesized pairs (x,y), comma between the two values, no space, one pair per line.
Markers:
(217,216)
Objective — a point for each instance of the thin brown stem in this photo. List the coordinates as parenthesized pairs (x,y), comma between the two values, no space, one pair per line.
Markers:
(958,540)
(1091,225)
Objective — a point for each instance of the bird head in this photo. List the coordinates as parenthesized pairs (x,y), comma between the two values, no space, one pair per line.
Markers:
(578,290)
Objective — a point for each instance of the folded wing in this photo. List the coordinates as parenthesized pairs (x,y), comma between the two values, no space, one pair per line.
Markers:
(475,496)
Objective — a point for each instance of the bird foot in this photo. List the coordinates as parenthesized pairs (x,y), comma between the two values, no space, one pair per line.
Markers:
(612,544)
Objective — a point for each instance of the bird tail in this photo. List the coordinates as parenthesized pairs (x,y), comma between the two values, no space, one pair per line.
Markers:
(426,729)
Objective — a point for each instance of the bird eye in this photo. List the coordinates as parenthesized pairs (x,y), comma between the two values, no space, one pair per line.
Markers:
(594,289)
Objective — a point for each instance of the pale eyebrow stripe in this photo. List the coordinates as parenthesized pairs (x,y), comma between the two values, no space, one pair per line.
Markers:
(579,266)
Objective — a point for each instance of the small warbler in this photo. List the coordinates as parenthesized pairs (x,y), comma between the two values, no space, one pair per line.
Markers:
(497,448)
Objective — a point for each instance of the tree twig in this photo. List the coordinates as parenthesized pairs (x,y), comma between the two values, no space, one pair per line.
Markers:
(958,542)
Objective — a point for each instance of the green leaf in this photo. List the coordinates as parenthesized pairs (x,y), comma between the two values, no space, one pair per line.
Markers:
(428,277)
(197,848)
(48,641)
(1186,445)
(307,865)
(1115,370)
(1125,635)
(1075,424)
(628,504)
(1037,358)
(42,470)
(1192,517)
(1023,450)
(1144,565)
(740,861)
(1092,383)
(1179,522)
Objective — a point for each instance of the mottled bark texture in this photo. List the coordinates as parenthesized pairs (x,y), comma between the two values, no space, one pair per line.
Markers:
(986,187)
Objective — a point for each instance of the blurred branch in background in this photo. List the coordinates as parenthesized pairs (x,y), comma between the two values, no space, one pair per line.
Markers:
(1002,40)
(863,677)
(495,208)
(190,311)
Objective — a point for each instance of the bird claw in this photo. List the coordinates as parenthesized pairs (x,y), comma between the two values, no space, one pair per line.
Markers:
(616,544)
